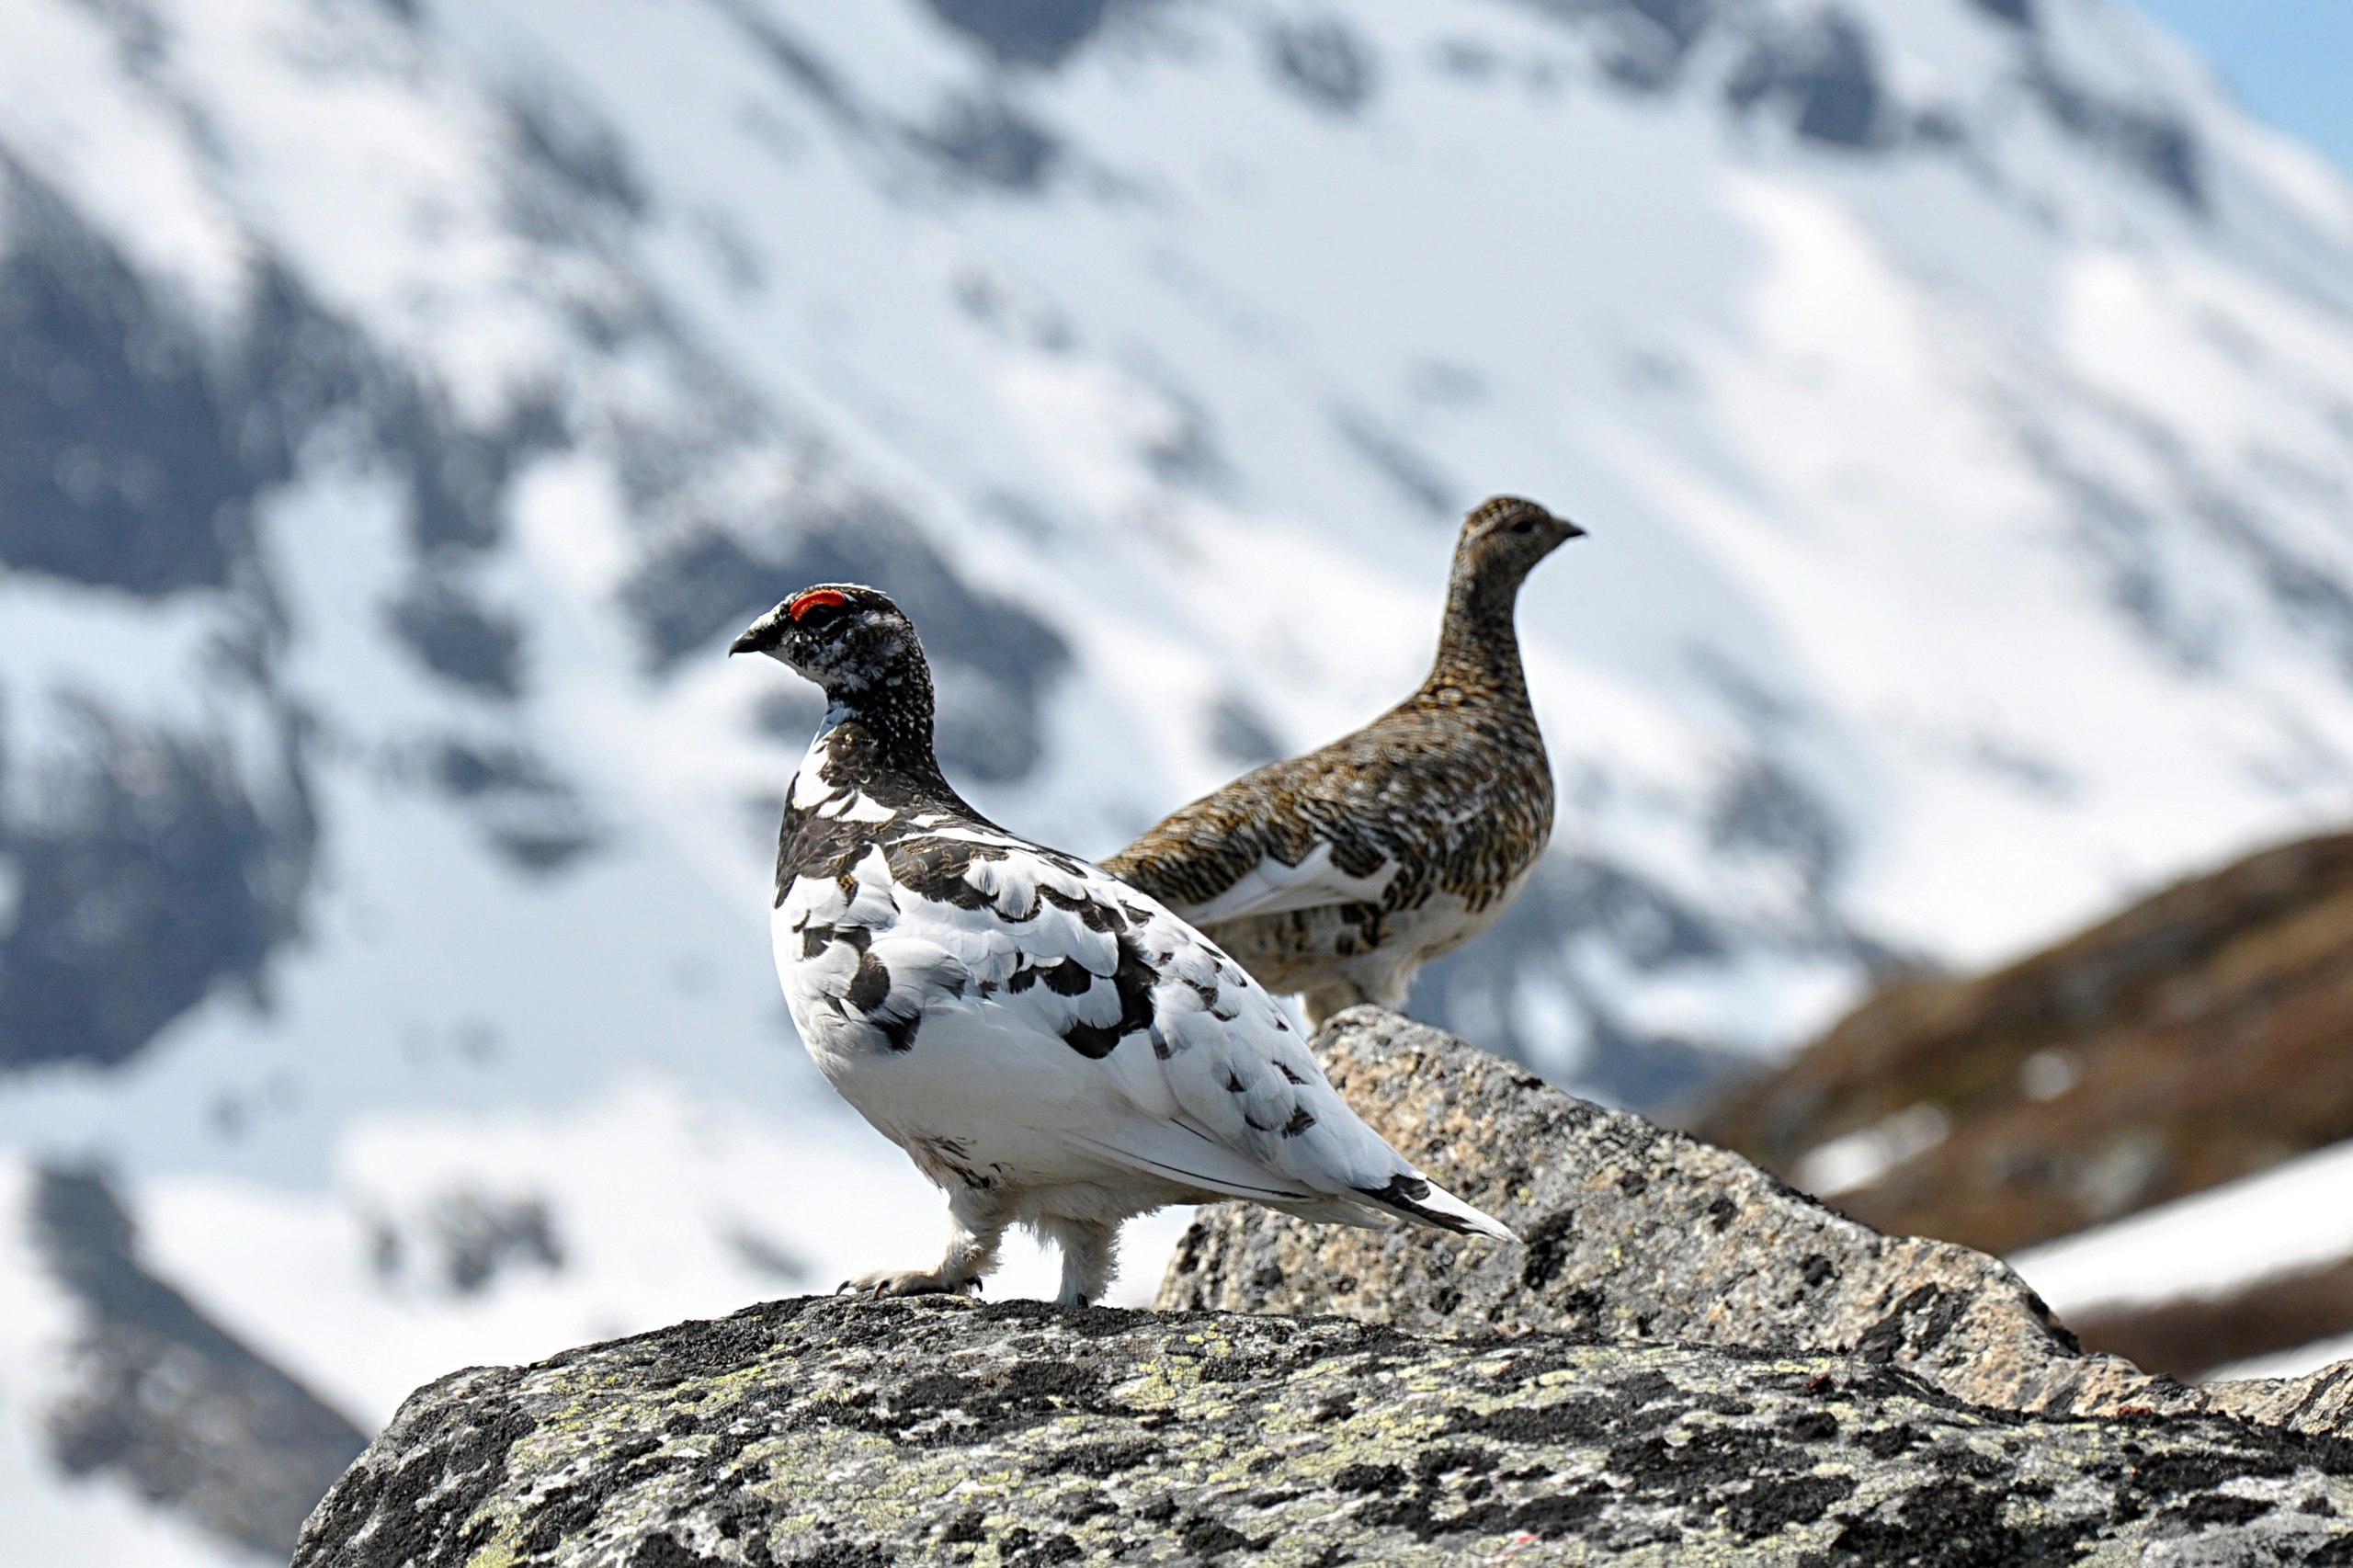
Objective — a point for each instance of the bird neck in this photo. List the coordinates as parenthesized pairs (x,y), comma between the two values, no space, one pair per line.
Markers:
(1478,646)
(881,729)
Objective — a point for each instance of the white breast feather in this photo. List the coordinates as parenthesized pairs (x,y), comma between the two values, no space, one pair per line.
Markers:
(855,807)
(812,900)
(874,903)
(1053,934)
(809,786)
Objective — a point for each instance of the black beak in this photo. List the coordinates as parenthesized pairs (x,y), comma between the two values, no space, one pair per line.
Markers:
(1572,531)
(757,638)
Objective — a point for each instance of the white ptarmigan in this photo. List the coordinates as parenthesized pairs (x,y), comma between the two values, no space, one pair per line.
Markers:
(1340,873)
(1049,1045)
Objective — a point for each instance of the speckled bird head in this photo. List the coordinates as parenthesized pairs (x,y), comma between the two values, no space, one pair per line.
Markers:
(1505,536)
(849,639)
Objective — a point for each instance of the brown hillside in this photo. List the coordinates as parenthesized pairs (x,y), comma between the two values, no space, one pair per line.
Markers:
(2205,1033)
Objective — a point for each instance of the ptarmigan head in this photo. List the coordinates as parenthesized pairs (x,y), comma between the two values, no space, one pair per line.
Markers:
(849,639)
(1505,536)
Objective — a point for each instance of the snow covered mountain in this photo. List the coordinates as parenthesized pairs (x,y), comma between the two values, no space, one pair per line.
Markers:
(401,401)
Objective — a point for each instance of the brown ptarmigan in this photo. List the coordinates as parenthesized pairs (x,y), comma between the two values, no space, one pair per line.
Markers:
(1337,875)
(1049,1045)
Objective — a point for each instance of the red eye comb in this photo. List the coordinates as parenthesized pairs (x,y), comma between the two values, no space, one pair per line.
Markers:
(817,598)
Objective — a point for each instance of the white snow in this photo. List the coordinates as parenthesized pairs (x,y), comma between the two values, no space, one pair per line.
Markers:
(1849,1161)
(662,1205)
(2295,1217)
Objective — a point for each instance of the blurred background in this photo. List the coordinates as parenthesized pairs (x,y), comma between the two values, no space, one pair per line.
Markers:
(402,402)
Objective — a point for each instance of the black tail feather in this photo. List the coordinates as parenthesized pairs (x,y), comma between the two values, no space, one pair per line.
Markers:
(1409,1196)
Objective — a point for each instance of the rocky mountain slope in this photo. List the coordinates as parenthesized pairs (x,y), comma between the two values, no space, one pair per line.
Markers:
(2245,1279)
(2182,1047)
(2196,1037)
(401,402)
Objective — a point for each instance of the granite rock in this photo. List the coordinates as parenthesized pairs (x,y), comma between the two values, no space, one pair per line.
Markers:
(1632,1232)
(839,1431)
(1686,1362)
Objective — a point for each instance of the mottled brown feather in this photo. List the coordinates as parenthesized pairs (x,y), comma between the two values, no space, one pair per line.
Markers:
(1451,785)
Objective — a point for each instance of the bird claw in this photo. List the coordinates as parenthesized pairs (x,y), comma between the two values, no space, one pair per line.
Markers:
(892,1282)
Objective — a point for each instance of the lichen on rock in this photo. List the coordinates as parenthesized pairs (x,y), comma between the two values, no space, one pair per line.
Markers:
(839,1432)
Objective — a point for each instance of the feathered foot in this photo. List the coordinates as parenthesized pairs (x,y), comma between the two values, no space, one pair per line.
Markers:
(1089,1249)
(877,1283)
(972,1252)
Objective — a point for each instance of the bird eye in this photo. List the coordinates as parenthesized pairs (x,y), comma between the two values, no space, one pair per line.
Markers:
(1525,526)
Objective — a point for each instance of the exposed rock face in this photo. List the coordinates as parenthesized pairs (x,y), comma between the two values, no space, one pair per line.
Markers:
(164,1399)
(843,1433)
(1634,1233)
(2319,1401)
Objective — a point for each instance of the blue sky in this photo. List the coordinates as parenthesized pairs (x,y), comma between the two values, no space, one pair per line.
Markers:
(2290,61)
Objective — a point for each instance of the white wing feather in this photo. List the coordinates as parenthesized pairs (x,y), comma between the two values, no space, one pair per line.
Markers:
(1214,1091)
(1272,888)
